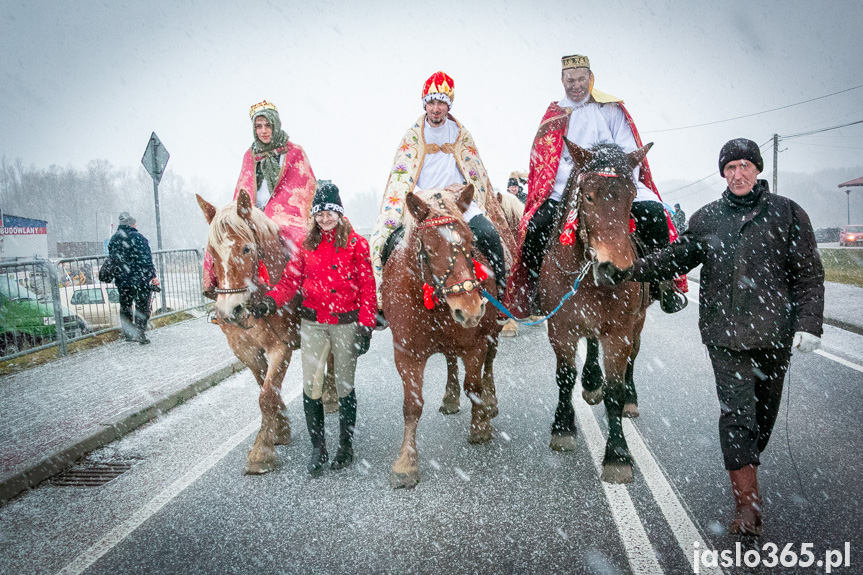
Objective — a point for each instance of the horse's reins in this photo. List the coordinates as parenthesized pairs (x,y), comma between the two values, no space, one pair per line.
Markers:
(439,287)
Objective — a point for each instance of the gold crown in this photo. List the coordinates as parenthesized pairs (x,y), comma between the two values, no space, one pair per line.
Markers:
(575,61)
(264,105)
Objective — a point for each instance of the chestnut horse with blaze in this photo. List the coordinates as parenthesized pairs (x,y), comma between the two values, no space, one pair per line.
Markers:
(240,238)
(432,299)
(594,227)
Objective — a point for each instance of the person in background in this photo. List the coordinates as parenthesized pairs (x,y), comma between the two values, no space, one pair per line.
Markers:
(332,271)
(679,219)
(514,186)
(134,276)
(762,295)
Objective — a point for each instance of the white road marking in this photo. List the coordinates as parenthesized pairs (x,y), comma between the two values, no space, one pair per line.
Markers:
(839,360)
(639,551)
(672,509)
(675,514)
(114,537)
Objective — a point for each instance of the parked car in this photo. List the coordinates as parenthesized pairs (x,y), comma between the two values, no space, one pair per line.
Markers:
(851,236)
(827,235)
(27,321)
(99,304)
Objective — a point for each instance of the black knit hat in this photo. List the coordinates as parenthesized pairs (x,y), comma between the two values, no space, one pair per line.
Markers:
(512,182)
(740,149)
(327,199)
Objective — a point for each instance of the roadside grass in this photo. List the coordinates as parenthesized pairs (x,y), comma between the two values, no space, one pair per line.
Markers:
(843,266)
(44,356)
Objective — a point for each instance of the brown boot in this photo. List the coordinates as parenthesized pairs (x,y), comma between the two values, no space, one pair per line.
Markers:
(747,517)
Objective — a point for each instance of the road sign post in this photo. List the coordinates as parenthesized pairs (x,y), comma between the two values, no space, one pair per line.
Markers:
(155,159)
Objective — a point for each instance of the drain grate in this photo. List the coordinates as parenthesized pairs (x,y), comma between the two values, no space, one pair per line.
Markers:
(92,474)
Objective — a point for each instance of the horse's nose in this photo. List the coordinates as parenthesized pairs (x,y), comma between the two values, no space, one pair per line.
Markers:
(236,312)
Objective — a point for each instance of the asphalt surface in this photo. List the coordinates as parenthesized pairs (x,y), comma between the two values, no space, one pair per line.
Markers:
(509,506)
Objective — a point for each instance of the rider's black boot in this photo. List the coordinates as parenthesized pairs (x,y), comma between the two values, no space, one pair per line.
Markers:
(347,424)
(670,300)
(314,409)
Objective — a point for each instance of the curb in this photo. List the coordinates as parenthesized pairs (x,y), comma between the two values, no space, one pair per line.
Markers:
(112,430)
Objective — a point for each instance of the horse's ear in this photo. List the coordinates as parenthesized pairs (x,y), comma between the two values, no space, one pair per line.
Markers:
(206,207)
(580,156)
(465,198)
(244,205)
(635,158)
(418,208)
(500,198)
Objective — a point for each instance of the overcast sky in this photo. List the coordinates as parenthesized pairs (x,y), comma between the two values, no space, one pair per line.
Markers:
(86,80)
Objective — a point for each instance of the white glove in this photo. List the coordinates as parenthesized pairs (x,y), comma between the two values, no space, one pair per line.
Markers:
(806,342)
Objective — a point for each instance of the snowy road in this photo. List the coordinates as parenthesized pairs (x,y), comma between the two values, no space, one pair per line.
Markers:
(510,506)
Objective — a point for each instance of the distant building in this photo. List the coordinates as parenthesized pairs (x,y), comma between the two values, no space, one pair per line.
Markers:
(23,238)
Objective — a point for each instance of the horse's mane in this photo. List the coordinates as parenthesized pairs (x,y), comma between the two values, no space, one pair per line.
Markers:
(513,209)
(449,199)
(227,219)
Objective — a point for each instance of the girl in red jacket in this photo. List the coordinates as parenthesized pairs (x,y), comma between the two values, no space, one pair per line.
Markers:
(333,272)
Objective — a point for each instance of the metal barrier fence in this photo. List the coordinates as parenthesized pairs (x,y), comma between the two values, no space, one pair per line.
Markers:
(36,296)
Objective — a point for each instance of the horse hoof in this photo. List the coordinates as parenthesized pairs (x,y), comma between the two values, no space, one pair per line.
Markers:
(449,408)
(479,436)
(283,439)
(617,473)
(563,441)
(592,397)
(404,480)
(630,410)
(259,467)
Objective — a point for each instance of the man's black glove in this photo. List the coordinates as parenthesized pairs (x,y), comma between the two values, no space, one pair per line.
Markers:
(380,321)
(264,307)
(607,274)
(364,339)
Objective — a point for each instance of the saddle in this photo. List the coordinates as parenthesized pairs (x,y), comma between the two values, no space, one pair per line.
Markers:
(393,240)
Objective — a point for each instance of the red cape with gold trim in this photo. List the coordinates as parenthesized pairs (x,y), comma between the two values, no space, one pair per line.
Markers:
(544,161)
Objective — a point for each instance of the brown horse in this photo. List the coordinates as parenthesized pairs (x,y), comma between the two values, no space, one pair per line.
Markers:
(596,204)
(433,269)
(240,237)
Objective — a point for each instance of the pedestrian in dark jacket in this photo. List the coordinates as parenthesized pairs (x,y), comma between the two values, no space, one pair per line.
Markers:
(134,276)
(762,294)
(333,271)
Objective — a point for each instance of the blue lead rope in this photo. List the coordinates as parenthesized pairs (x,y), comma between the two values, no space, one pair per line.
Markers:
(568,295)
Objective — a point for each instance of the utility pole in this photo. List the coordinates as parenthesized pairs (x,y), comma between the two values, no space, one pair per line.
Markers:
(775,160)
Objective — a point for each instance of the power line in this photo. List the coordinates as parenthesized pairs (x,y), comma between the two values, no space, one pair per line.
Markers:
(750,115)
(809,133)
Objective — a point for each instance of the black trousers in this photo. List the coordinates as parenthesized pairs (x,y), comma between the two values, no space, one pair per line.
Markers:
(749,386)
(134,323)
(488,243)
(536,238)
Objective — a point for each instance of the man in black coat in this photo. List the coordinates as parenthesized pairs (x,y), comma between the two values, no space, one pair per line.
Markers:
(134,276)
(762,294)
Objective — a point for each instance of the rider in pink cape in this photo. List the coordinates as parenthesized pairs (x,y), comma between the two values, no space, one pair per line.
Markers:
(278,177)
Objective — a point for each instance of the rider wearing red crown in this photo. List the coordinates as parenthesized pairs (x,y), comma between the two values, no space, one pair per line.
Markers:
(585,116)
(277,176)
(435,153)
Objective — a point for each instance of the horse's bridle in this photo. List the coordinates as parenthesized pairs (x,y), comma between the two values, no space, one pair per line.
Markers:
(457,247)
(609,172)
(260,257)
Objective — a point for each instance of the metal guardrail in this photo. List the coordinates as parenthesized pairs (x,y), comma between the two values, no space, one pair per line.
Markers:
(38,295)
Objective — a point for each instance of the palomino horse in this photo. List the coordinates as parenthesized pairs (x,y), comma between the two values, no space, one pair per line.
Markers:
(596,217)
(431,298)
(241,237)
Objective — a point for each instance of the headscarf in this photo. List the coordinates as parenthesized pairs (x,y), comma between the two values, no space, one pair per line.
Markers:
(268,167)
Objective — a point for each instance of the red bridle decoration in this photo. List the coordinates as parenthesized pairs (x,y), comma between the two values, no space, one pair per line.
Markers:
(439,221)
(631,226)
(479,271)
(429,298)
(567,237)
(263,274)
